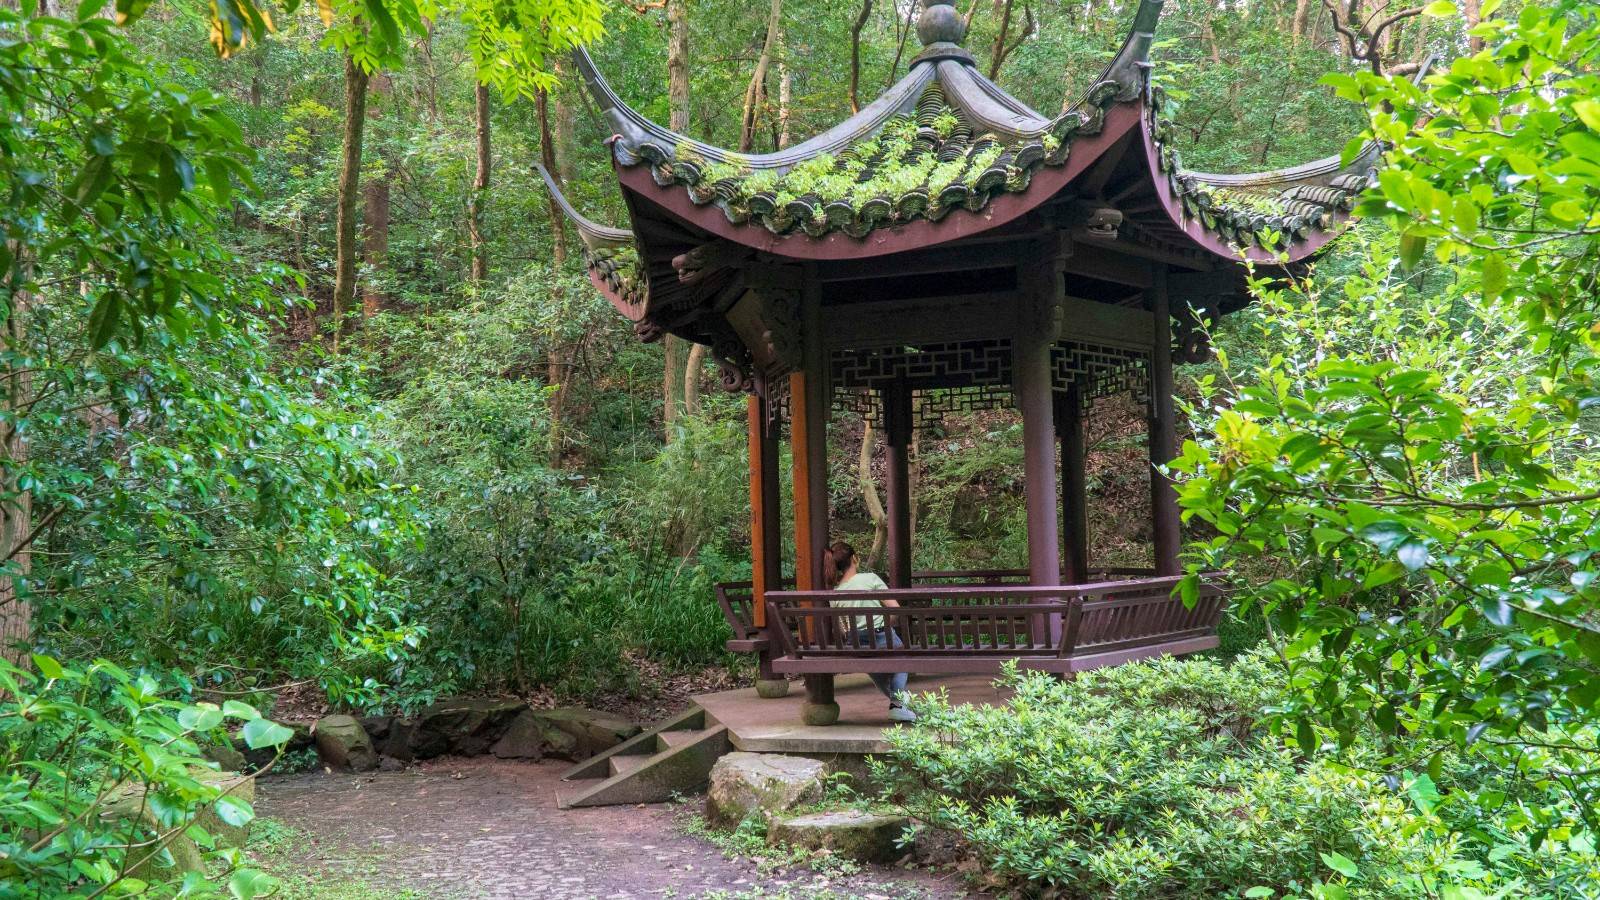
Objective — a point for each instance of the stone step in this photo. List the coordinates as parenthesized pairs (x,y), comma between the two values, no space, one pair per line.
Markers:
(646,743)
(679,737)
(622,765)
(575,790)
(638,776)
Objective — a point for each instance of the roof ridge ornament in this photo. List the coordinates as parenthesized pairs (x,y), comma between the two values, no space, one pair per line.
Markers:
(941,30)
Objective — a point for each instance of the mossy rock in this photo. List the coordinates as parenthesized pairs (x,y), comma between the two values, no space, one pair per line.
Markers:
(850,833)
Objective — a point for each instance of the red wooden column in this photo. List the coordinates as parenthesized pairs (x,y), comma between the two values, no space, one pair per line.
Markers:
(1163,432)
(897,437)
(808,436)
(766,554)
(1074,487)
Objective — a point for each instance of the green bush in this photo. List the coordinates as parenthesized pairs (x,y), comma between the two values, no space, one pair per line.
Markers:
(103,787)
(1153,780)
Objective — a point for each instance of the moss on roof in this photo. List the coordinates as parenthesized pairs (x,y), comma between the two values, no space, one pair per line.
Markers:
(915,166)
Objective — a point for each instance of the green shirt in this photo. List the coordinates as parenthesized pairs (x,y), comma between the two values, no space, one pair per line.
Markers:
(861,581)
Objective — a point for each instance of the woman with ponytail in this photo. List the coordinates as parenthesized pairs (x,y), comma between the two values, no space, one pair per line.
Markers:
(841,572)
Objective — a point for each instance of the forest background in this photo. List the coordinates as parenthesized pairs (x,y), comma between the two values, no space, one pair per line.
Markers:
(307,394)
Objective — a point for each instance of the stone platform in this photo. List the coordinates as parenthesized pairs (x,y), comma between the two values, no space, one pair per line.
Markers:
(774,726)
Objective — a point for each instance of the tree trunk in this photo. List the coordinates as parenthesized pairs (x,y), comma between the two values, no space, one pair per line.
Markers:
(480,186)
(1302,14)
(785,93)
(869,494)
(692,372)
(678,120)
(376,218)
(678,65)
(997,53)
(757,92)
(558,363)
(346,251)
(1472,11)
(16,517)
(855,55)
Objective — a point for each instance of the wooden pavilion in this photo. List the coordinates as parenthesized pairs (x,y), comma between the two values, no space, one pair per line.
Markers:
(950,246)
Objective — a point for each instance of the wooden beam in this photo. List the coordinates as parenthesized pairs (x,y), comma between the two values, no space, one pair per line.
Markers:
(1091,321)
(1163,434)
(973,253)
(923,320)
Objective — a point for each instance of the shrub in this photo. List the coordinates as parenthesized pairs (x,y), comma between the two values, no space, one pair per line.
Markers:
(103,786)
(1152,780)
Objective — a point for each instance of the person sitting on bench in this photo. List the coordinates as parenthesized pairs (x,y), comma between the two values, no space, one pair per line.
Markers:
(841,572)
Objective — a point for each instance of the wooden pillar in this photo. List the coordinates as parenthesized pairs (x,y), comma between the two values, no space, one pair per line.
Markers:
(1074,487)
(1031,369)
(808,435)
(897,433)
(1163,432)
(766,553)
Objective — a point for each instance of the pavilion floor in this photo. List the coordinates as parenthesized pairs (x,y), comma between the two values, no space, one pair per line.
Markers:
(773,726)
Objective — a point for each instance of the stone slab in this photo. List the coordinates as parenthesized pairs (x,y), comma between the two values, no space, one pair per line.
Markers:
(757,725)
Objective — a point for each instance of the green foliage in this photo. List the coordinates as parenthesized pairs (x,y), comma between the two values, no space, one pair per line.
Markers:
(1419,453)
(115,183)
(1153,780)
(103,786)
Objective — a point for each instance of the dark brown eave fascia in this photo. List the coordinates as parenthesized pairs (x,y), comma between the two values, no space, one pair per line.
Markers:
(1047,181)
(1210,240)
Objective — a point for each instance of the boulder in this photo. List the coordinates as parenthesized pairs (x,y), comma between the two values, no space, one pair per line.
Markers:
(531,737)
(343,744)
(592,731)
(867,837)
(463,726)
(766,783)
(236,785)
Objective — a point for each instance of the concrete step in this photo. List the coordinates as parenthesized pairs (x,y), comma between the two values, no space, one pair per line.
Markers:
(679,737)
(683,765)
(621,765)
(644,743)
(574,790)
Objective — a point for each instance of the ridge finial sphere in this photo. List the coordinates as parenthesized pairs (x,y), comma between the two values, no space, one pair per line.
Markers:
(940,23)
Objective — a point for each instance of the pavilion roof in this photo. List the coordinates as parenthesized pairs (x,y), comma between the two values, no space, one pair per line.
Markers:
(945,154)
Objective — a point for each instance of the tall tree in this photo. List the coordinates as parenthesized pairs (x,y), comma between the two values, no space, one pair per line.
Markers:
(855,54)
(678,119)
(756,93)
(349,195)
(480,183)
(375,221)
(557,362)
(16,511)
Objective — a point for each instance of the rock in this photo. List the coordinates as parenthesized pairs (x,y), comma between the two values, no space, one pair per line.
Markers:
(236,785)
(867,837)
(229,759)
(528,737)
(401,742)
(343,744)
(463,726)
(377,728)
(592,731)
(768,783)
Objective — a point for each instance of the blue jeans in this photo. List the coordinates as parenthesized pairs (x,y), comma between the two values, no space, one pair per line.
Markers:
(891,685)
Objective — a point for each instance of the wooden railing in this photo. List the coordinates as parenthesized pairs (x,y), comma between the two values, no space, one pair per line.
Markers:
(971,627)
(738,604)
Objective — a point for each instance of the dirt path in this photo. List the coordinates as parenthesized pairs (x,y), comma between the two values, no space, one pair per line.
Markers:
(485,828)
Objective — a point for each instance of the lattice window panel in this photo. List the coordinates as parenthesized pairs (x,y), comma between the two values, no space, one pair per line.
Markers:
(929,407)
(1099,370)
(956,364)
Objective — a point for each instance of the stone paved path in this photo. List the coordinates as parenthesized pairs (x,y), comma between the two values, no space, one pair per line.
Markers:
(485,828)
